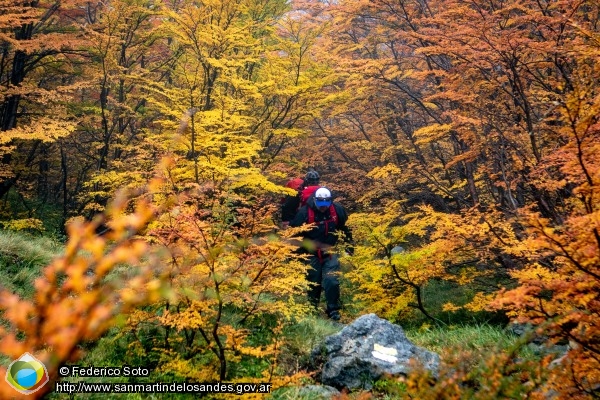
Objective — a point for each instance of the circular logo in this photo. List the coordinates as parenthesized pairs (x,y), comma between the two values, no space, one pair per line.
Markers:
(27,374)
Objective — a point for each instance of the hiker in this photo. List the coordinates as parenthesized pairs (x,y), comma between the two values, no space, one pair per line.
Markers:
(305,188)
(330,219)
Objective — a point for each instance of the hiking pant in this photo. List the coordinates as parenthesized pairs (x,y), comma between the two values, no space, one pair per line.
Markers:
(323,275)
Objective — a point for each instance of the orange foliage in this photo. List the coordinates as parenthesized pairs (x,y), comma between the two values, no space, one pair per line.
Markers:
(80,294)
(487,111)
(559,289)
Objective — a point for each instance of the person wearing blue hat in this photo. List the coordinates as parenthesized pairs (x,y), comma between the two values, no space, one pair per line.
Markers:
(328,219)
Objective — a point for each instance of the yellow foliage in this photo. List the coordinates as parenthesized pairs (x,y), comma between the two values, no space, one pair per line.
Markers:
(480,302)
(24,224)
(387,172)
(450,307)
(432,133)
(226,268)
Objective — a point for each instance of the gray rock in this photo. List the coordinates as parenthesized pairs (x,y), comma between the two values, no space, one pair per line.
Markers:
(539,344)
(366,350)
(518,329)
(526,331)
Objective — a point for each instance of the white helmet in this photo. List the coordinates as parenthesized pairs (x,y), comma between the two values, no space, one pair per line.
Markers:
(322,197)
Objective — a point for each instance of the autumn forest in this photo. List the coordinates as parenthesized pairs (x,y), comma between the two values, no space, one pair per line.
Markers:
(154,138)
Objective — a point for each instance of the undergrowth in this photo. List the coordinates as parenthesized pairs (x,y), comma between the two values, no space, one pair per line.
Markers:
(465,345)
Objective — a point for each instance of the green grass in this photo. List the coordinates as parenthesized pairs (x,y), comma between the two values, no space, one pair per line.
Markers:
(478,337)
(296,393)
(307,333)
(22,257)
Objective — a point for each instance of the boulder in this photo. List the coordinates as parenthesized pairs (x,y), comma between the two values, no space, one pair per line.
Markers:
(526,331)
(366,350)
(538,343)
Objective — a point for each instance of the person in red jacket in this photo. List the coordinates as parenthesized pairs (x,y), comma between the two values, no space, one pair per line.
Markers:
(305,188)
(328,219)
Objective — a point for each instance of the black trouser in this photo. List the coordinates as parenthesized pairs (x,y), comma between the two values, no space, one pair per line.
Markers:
(323,275)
